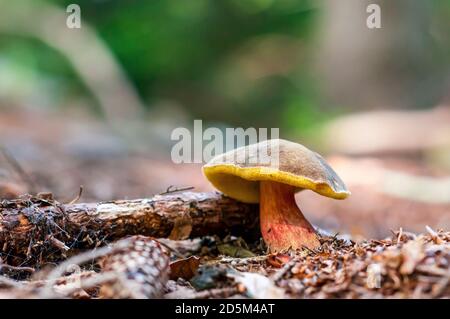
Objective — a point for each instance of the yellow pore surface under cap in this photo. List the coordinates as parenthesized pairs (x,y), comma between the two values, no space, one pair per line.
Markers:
(242,183)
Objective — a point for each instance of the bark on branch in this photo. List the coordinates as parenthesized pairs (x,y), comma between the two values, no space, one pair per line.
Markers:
(36,230)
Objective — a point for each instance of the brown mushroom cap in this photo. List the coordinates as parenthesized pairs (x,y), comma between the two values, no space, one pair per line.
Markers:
(297,166)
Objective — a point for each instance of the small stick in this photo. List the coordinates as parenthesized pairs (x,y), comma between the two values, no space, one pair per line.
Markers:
(400,234)
(76,199)
(310,250)
(169,189)
(433,235)
(15,268)
(57,243)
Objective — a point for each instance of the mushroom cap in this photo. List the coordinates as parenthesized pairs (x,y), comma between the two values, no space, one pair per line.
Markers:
(237,173)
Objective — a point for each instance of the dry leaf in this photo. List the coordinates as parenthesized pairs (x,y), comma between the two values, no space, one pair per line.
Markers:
(278,260)
(182,228)
(184,268)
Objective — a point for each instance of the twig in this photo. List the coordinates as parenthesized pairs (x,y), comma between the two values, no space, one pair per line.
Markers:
(400,234)
(433,235)
(57,243)
(335,238)
(309,249)
(14,268)
(169,189)
(207,213)
(76,199)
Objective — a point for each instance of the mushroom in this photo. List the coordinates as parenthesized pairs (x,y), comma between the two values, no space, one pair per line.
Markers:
(242,175)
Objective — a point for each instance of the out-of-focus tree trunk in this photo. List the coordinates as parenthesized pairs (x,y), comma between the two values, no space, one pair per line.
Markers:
(396,66)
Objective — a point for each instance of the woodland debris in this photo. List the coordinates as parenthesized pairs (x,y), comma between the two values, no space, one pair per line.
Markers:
(68,286)
(35,231)
(184,268)
(210,277)
(141,270)
(258,286)
(397,267)
(278,260)
(404,265)
(135,267)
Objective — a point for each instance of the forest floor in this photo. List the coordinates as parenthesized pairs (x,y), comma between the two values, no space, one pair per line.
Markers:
(377,246)
(404,265)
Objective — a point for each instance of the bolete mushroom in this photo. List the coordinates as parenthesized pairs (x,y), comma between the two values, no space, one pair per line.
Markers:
(240,174)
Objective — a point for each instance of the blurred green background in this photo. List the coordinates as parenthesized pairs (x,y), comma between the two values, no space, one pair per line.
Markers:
(291,64)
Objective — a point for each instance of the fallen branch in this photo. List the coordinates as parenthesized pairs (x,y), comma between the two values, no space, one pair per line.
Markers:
(30,227)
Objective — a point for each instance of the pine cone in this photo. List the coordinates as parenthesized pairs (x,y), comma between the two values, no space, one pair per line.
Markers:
(142,269)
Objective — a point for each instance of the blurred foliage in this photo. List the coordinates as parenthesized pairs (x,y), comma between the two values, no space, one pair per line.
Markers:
(29,69)
(232,61)
(238,62)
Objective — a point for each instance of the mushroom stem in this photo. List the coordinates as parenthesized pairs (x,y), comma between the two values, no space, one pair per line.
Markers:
(283,225)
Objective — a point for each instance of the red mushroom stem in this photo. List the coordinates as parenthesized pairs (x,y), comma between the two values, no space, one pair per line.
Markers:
(283,225)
